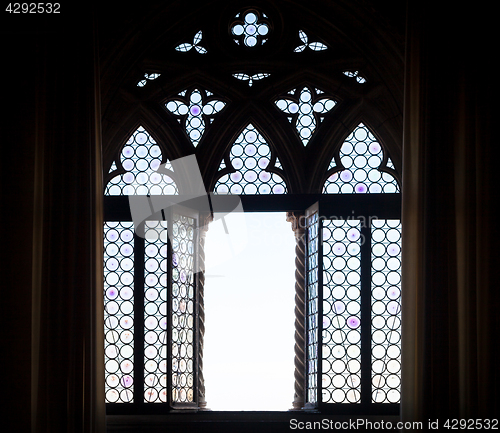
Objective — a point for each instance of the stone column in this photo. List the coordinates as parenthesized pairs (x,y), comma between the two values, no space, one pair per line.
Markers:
(298,226)
(204,221)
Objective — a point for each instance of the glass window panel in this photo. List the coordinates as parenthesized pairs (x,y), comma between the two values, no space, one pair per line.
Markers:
(355,74)
(249,156)
(194,112)
(341,352)
(183,48)
(361,156)
(155,312)
(315,46)
(386,311)
(251,78)
(147,77)
(305,111)
(118,311)
(249,29)
(183,308)
(312,307)
(140,158)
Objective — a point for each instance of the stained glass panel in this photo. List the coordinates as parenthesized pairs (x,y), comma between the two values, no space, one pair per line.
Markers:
(155,312)
(250,30)
(315,46)
(305,110)
(312,307)
(249,156)
(119,311)
(386,310)
(141,157)
(361,156)
(355,74)
(341,354)
(147,77)
(195,112)
(183,308)
(251,78)
(196,45)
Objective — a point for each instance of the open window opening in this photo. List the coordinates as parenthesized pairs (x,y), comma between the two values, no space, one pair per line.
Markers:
(249,304)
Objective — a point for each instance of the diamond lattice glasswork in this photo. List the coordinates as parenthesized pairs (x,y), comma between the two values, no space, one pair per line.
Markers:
(361,156)
(195,111)
(250,156)
(305,109)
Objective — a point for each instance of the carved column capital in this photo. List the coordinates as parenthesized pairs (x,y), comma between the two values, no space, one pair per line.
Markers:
(298,220)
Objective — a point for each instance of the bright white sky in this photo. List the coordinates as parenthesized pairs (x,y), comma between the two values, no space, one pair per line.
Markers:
(249,307)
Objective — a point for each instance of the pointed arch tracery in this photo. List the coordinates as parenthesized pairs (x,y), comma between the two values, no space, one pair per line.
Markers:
(253,167)
(219,137)
(139,162)
(360,166)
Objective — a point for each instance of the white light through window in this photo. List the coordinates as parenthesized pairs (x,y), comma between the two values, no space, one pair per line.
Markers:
(249,307)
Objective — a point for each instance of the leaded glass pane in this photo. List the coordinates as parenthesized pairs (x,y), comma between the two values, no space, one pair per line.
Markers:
(119,311)
(196,45)
(249,156)
(194,112)
(361,156)
(315,46)
(355,74)
(386,310)
(147,77)
(305,110)
(141,158)
(155,312)
(341,354)
(250,29)
(312,307)
(183,308)
(251,78)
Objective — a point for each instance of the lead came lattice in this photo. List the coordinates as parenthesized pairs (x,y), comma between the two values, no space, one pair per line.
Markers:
(155,312)
(341,381)
(250,156)
(312,307)
(118,311)
(361,156)
(386,311)
(183,308)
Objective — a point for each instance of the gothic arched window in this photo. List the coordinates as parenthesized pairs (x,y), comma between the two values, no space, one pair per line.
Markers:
(253,111)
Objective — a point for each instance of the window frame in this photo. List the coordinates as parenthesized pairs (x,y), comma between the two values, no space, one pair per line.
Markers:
(381,206)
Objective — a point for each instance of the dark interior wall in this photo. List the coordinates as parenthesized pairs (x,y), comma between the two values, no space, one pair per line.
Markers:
(50,131)
(450,161)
